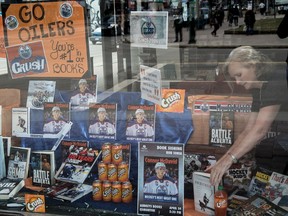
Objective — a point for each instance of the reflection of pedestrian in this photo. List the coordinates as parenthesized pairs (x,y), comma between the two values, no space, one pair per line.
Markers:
(214,23)
(160,183)
(178,24)
(254,71)
(262,8)
(249,20)
(56,123)
(102,126)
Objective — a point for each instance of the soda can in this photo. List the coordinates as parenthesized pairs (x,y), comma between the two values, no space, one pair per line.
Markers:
(107,193)
(116,152)
(116,192)
(102,171)
(126,192)
(112,172)
(122,172)
(106,153)
(97,190)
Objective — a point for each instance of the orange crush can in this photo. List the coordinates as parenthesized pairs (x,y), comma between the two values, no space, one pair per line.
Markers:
(106,153)
(116,192)
(117,156)
(122,172)
(106,187)
(126,192)
(102,171)
(112,172)
(97,190)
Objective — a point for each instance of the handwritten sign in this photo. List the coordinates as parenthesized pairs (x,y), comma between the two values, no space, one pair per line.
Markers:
(61,28)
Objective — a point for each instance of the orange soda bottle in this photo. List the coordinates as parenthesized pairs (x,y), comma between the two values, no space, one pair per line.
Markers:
(220,202)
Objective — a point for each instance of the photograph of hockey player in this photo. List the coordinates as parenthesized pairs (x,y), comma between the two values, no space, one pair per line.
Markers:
(82,96)
(160,183)
(55,122)
(102,125)
(139,126)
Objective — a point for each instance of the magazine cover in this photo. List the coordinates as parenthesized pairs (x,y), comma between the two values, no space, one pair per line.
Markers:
(77,166)
(76,192)
(221,126)
(160,179)
(84,92)
(10,187)
(140,123)
(40,92)
(18,164)
(42,167)
(173,100)
(35,203)
(20,121)
(67,146)
(102,121)
(56,115)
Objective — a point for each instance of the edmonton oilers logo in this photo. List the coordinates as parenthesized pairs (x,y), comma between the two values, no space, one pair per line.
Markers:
(25,51)
(204,107)
(148,29)
(11,22)
(66,10)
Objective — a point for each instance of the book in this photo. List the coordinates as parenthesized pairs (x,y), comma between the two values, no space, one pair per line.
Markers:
(67,146)
(173,100)
(40,92)
(258,205)
(140,123)
(160,178)
(20,121)
(35,203)
(277,190)
(102,121)
(18,163)
(42,167)
(236,198)
(56,189)
(10,187)
(221,128)
(7,145)
(259,181)
(56,115)
(75,193)
(77,166)
(203,193)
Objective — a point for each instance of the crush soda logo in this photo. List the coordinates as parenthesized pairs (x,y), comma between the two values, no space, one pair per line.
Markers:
(170,98)
(148,28)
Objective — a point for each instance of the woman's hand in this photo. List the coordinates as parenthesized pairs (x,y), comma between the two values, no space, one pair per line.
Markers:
(218,169)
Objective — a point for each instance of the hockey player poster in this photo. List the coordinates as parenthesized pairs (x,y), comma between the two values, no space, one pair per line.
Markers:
(160,179)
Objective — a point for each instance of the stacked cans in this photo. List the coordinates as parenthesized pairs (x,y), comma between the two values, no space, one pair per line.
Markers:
(113,183)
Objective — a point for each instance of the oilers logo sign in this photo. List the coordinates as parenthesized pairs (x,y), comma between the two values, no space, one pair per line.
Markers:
(26,59)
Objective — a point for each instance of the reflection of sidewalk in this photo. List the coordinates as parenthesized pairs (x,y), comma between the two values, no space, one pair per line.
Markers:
(205,39)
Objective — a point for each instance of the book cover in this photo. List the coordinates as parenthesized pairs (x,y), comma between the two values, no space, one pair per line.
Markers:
(35,203)
(259,181)
(258,205)
(172,101)
(235,202)
(20,121)
(9,187)
(7,145)
(75,193)
(277,190)
(102,121)
(221,128)
(140,123)
(160,178)
(84,92)
(42,167)
(203,193)
(18,164)
(56,115)
(68,146)
(77,166)
(58,188)
(40,92)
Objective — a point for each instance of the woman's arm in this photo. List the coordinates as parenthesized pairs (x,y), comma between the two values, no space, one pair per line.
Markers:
(256,128)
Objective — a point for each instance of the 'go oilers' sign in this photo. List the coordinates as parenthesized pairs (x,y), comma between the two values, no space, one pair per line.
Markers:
(46,39)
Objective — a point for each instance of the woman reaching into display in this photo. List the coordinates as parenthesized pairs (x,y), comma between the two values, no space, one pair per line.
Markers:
(268,87)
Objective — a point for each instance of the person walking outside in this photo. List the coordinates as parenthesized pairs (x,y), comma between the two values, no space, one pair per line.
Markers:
(249,20)
(214,23)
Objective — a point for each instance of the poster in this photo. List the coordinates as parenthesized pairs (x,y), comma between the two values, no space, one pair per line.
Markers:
(47,25)
(149,29)
(160,179)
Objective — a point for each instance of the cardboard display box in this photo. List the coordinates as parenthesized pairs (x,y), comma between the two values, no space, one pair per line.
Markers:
(9,98)
(201,105)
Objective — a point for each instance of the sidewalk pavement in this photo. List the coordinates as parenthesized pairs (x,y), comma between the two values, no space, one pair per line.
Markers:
(205,39)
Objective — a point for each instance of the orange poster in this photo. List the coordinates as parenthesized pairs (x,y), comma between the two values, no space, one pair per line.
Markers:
(62,29)
(2,46)
(172,101)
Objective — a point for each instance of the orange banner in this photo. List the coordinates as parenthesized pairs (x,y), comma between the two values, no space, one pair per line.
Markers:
(61,28)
